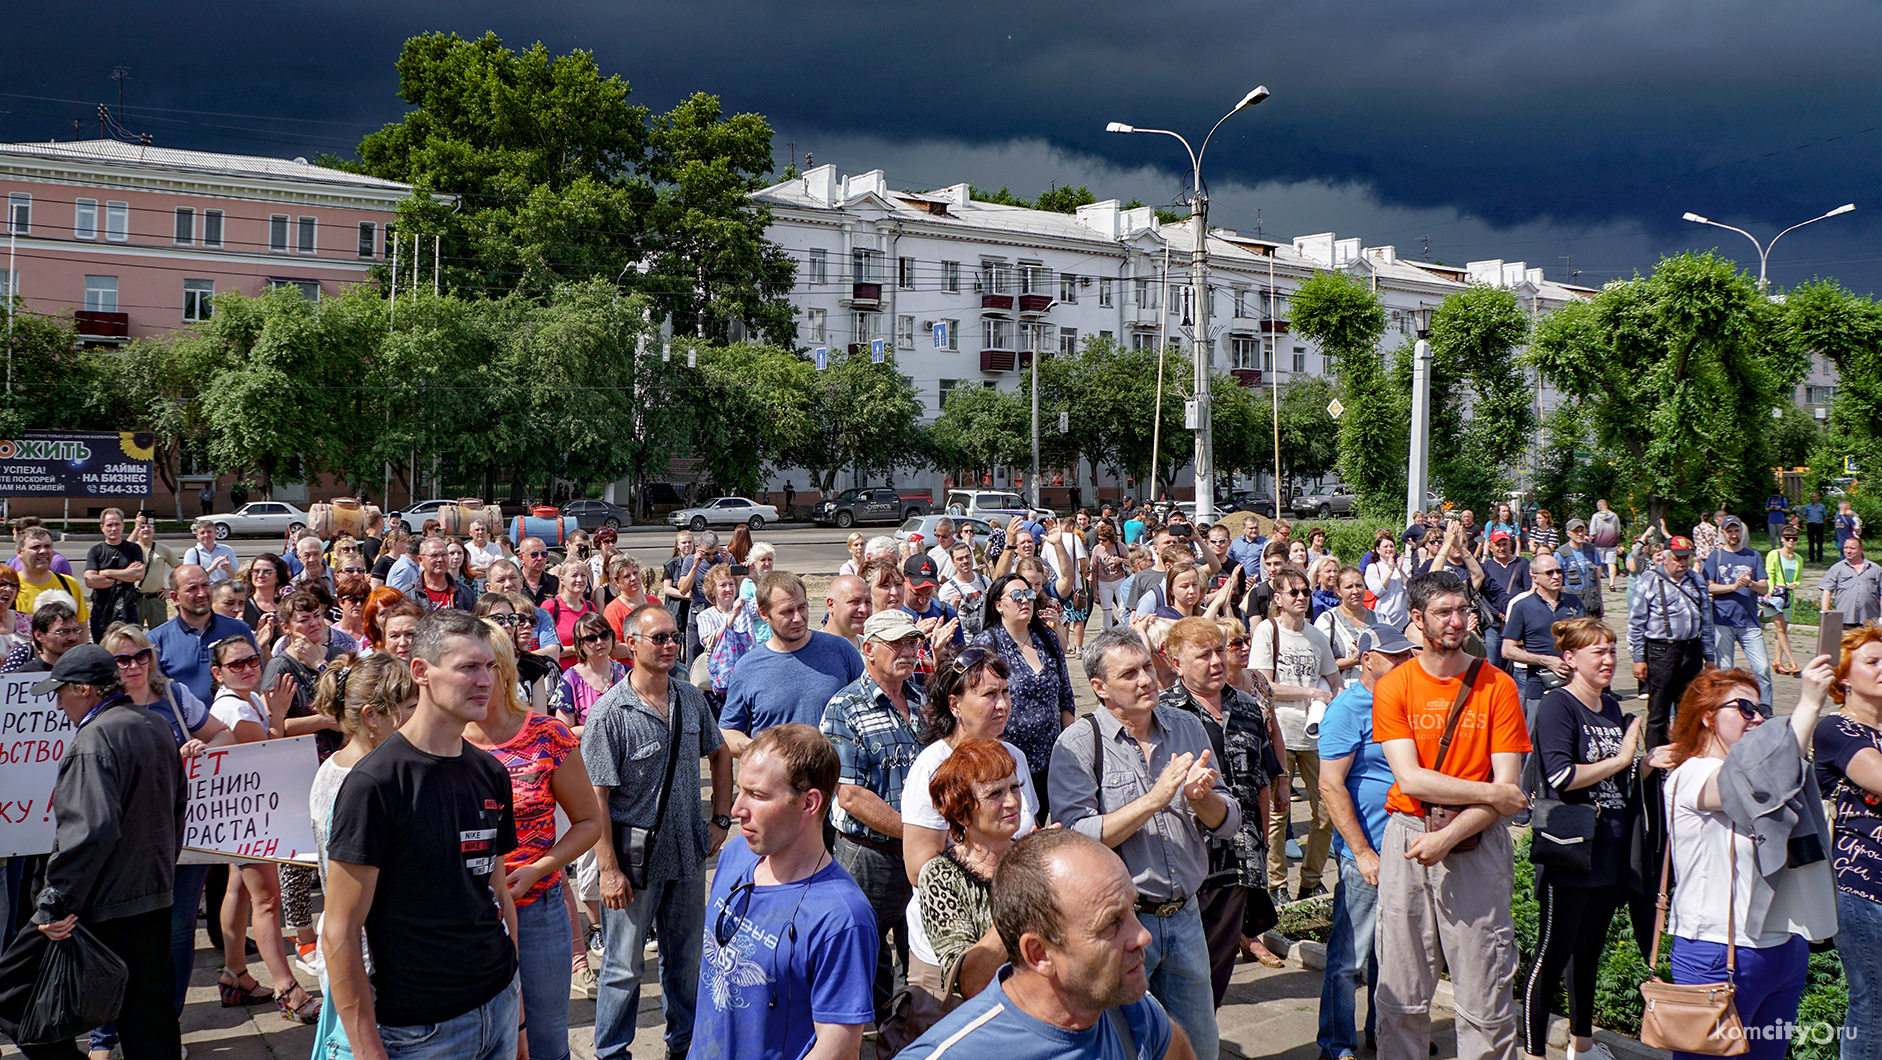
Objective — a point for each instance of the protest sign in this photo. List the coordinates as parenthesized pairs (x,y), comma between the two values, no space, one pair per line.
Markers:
(249,802)
(34,734)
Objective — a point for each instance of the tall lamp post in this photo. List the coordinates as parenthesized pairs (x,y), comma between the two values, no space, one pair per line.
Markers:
(1199,286)
(1764,250)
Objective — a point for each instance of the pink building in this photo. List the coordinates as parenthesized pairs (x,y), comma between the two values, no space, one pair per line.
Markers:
(136,241)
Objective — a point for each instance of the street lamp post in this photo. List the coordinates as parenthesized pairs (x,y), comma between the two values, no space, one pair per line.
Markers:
(1764,250)
(1199,287)
(1419,469)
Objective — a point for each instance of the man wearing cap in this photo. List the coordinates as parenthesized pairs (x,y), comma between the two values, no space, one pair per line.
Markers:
(1669,633)
(1507,569)
(118,805)
(1354,781)
(939,623)
(1581,566)
(1736,576)
(1852,585)
(873,724)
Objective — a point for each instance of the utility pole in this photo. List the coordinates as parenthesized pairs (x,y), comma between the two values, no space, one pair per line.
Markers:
(1420,430)
(1205,359)
(1036,502)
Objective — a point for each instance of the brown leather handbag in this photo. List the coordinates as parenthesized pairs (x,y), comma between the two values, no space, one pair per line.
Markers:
(1436,815)
(1693,1017)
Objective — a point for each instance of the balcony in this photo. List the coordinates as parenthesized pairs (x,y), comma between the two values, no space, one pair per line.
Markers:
(1274,327)
(997,360)
(1248,377)
(102,327)
(1025,357)
(865,296)
(1035,303)
(996,301)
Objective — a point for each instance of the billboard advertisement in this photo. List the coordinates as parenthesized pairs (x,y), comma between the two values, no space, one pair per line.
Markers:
(77,464)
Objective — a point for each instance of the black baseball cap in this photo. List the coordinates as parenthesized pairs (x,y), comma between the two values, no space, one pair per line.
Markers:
(921,571)
(87,664)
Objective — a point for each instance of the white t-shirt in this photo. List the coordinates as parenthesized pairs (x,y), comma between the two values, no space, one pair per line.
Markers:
(960,597)
(1701,872)
(1343,636)
(1074,549)
(231,707)
(918,809)
(485,555)
(1306,659)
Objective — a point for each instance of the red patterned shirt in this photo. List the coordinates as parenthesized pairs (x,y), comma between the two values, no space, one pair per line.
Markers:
(532,757)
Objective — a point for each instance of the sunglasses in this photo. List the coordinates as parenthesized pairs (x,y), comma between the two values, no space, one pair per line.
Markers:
(1301,591)
(354,598)
(1238,643)
(596,638)
(728,923)
(141,657)
(253,662)
(1745,707)
(535,555)
(1021,596)
(510,620)
(663,639)
(969,658)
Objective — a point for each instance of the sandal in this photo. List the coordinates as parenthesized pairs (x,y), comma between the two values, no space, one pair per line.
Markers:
(308,1011)
(1250,953)
(235,995)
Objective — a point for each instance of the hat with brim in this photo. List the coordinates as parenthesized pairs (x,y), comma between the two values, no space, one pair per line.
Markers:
(87,664)
(1387,640)
(1680,546)
(891,625)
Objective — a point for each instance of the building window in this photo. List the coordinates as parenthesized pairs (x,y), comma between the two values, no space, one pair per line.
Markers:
(1300,358)
(101,294)
(943,389)
(953,336)
(212,228)
(994,277)
(368,238)
(1068,287)
(865,266)
(1036,338)
(309,289)
(1267,355)
(1143,340)
(816,322)
(85,219)
(305,242)
(904,333)
(1108,336)
(1104,292)
(8,284)
(20,213)
(1242,351)
(1241,302)
(185,226)
(117,221)
(1819,395)
(905,272)
(819,265)
(950,275)
(1033,279)
(997,332)
(867,327)
(1068,341)
(197,298)
(278,233)
(1145,292)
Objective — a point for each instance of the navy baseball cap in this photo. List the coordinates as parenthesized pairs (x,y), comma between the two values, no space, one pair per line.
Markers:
(1388,640)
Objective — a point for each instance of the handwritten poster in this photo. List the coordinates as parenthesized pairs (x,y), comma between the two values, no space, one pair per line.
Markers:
(249,802)
(34,734)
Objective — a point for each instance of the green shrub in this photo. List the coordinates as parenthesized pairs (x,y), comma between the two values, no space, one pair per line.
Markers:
(1349,539)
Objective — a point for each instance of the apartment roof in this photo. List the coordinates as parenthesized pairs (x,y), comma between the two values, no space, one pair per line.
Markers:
(117,154)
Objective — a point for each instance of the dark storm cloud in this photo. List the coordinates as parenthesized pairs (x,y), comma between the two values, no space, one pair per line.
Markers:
(1611,117)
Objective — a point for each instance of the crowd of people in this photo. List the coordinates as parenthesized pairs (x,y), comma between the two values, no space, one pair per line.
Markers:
(921,843)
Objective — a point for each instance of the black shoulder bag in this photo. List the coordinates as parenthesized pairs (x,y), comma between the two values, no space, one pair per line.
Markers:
(633,846)
(1562,833)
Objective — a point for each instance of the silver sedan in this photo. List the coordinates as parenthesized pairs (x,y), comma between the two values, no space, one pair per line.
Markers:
(725,511)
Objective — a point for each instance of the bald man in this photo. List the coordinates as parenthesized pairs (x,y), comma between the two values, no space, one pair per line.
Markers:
(846,607)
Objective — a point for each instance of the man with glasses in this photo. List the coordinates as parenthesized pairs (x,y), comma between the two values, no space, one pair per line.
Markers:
(1528,637)
(183,643)
(793,940)
(537,581)
(626,741)
(873,724)
(692,583)
(438,589)
(943,551)
(56,629)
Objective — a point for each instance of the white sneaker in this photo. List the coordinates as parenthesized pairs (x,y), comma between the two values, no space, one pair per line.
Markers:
(1599,1052)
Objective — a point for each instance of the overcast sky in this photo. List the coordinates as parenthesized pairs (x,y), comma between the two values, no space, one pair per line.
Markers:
(1519,131)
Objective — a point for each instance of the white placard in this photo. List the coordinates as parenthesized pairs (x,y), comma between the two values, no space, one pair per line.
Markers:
(34,734)
(249,802)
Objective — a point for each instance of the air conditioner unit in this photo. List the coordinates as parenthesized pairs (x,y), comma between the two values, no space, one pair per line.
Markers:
(1084,281)
(1821,413)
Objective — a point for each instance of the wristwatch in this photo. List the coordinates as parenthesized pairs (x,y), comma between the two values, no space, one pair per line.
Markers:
(722,822)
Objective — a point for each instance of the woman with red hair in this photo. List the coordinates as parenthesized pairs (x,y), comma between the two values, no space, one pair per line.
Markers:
(1753,890)
(1849,770)
(377,601)
(978,792)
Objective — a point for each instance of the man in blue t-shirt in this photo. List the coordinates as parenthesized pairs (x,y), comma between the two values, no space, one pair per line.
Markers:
(1777,509)
(1815,514)
(1736,576)
(1528,636)
(1354,779)
(1083,997)
(1246,549)
(791,677)
(790,946)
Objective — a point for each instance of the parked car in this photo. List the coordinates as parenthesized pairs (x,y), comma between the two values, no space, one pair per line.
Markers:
(260,519)
(592,513)
(725,511)
(924,525)
(1324,502)
(870,504)
(415,516)
(1248,501)
(994,506)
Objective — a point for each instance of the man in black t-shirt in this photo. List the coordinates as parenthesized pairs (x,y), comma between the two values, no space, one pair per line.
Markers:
(113,567)
(415,859)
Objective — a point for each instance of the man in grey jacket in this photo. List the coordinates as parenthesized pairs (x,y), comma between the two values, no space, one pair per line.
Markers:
(118,806)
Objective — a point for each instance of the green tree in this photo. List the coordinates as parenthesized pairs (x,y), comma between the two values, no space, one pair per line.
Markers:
(1064,199)
(864,418)
(1482,406)
(980,427)
(1310,439)
(751,404)
(1821,319)
(51,381)
(1346,319)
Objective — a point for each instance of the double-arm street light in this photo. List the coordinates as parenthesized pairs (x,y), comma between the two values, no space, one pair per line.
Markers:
(1764,250)
(1199,285)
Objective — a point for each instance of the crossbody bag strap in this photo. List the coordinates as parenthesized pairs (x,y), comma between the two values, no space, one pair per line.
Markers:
(1097,761)
(169,696)
(1457,713)
(1660,904)
(666,785)
(1274,655)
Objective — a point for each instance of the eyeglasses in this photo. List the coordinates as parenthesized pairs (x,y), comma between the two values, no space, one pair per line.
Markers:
(595,638)
(354,598)
(1745,707)
(353,570)
(1300,591)
(662,639)
(968,659)
(728,923)
(141,657)
(510,620)
(535,555)
(1557,572)
(1238,643)
(1021,596)
(253,662)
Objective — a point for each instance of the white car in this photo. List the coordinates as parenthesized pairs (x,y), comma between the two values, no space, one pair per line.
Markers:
(260,519)
(414,517)
(725,511)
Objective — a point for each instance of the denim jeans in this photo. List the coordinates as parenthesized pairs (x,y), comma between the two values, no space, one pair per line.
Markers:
(1177,962)
(1757,660)
(680,906)
(1859,944)
(542,951)
(1349,950)
(1770,983)
(487,1032)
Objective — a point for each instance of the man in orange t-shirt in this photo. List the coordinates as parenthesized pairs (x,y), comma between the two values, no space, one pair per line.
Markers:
(1431,895)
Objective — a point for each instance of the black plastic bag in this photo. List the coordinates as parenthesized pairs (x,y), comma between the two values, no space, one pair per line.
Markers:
(78,985)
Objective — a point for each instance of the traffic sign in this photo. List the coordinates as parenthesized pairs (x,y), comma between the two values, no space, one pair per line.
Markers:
(1334,408)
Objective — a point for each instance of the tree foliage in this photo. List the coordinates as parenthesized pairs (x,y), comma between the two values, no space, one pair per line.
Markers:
(1346,319)
(1482,405)
(1822,319)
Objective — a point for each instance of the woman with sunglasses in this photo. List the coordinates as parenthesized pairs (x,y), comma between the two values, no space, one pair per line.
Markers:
(515,615)
(368,700)
(1584,748)
(1385,579)
(253,895)
(1731,905)
(546,775)
(1038,682)
(1342,623)
(352,589)
(1849,767)
(1785,569)
(582,685)
(1298,662)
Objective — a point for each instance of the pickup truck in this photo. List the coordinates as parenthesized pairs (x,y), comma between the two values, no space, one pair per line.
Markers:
(870,504)
(1324,502)
(997,507)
